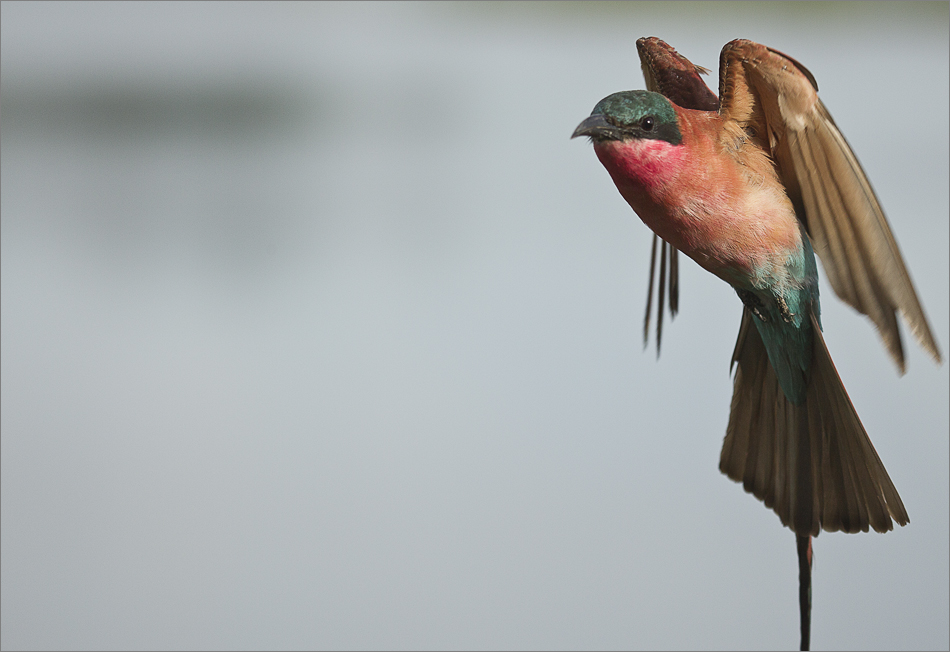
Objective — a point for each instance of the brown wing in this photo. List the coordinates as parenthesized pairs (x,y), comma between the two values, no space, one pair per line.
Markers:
(772,100)
(671,74)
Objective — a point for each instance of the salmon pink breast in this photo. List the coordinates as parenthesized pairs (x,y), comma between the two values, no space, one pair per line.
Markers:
(651,164)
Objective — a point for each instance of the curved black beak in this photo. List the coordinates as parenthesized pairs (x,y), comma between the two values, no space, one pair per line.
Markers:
(597,127)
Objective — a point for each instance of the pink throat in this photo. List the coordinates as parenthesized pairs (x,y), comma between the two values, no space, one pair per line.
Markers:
(644,165)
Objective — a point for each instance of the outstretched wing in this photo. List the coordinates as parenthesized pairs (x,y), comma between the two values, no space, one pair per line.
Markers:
(772,100)
(671,74)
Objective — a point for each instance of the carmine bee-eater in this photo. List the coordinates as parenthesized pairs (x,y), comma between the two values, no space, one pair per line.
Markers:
(751,186)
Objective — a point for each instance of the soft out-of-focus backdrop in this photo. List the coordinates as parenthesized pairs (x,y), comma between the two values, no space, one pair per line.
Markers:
(319,332)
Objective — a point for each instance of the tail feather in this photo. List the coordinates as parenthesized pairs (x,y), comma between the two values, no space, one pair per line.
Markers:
(813,463)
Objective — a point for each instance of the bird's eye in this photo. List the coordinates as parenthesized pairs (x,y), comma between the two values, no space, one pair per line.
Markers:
(647,123)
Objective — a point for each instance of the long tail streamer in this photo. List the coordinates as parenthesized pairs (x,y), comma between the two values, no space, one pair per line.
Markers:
(804,586)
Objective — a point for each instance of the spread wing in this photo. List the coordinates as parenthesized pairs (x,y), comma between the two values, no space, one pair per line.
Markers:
(772,100)
(671,74)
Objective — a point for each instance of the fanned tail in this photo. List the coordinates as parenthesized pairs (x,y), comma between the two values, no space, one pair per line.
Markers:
(813,464)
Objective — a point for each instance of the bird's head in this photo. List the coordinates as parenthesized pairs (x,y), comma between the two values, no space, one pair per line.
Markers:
(629,115)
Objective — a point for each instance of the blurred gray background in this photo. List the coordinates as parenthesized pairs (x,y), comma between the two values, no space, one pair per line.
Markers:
(319,332)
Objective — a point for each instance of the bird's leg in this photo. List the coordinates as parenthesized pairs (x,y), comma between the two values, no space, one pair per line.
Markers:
(787,315)
(753,303)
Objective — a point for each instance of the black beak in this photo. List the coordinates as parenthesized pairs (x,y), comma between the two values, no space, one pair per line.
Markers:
(597,127)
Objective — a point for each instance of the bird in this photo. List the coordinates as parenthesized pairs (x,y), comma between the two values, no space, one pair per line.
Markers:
(751,185)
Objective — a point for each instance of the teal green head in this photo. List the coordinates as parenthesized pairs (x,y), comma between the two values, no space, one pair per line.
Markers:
(632,115)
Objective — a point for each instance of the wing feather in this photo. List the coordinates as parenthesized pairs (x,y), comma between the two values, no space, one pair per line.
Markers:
(762,88)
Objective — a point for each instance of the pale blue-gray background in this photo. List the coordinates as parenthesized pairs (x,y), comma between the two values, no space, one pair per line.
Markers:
(319,332)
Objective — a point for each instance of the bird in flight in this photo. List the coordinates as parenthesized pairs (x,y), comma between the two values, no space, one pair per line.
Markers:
(751,185)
